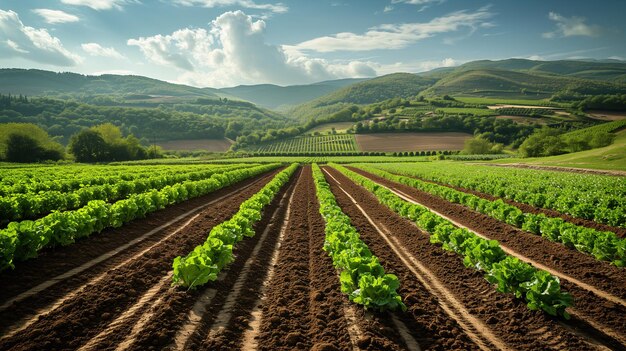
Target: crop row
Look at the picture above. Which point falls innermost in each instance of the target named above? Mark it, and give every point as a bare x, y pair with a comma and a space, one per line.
362, 276
22, 240
511, 275
312, 144
594, 197
204, 263
66, 179
29, 205
605, 246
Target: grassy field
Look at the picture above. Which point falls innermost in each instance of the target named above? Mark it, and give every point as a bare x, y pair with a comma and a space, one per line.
340, 127
612, 157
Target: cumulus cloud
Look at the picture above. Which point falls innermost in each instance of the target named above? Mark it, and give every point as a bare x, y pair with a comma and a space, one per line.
99, 4
55, 16
571, 26
248, 4
233, 51
18, 40
388, 8
95, 49
397, 36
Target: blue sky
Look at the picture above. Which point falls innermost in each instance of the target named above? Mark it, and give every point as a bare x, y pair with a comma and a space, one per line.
221, 43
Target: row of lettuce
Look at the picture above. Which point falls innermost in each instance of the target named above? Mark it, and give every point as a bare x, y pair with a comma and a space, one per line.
33, 180
207, 260
362, 277
593, 197
32, 205
510, 275
20, 241
602, 245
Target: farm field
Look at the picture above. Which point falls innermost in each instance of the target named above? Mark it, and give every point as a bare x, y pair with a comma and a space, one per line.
390, 142
310, 144
213, 145
394, 256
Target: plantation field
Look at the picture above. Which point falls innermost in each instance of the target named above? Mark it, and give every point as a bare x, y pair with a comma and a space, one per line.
607, 115
269, 254
390, 142
514, 102
310, 144
213, 145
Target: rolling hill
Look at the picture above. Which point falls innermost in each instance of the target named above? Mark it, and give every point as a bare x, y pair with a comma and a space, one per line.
517, 84
397, 85
608, 70
33, 82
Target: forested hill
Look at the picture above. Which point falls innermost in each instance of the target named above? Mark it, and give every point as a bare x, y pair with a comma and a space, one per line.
33, 82
203, 119
402, 85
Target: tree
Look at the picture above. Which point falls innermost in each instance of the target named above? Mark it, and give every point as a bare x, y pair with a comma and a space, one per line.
545, 142
479, 145
89, 146
23, 148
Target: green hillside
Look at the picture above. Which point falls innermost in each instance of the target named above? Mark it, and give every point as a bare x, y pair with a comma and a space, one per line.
610, 70
34, 82
516, 84
397, 85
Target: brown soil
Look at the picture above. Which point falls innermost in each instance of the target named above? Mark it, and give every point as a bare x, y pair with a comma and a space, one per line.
171, 315
390, 142
91, 311
301, 309
55, 261
621, 232
585, 268
507, 317
607, 115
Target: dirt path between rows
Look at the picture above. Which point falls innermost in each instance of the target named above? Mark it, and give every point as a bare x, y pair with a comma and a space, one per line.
600, 275
506, 317
91, 311
620, 232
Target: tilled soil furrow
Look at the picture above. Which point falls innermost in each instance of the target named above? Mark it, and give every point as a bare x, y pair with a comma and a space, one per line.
621, 232
228, 328
300, 307
506, 317
604, 309
87, 314
171, 317
61, 263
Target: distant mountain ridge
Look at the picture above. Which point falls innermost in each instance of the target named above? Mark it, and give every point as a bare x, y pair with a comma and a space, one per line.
278, 97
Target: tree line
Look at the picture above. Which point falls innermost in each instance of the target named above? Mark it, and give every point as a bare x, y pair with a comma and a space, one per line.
26, 143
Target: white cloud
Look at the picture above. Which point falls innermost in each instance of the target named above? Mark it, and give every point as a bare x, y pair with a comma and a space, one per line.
56, 16
95, 49
397, 36
248, 4
233, 51
415, 66
99, 4
571, 26
388, 8
18, 40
